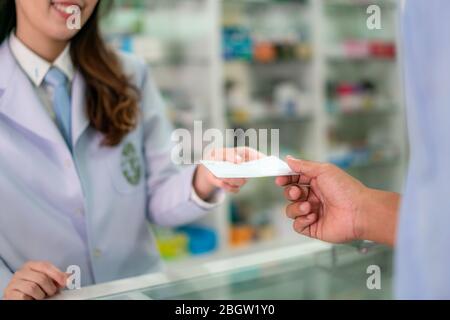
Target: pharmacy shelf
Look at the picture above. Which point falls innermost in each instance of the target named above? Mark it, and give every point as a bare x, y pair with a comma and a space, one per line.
352, 4
184, 44
299, 244
281, 120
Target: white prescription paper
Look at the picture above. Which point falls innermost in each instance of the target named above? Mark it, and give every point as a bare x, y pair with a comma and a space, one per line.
266, 167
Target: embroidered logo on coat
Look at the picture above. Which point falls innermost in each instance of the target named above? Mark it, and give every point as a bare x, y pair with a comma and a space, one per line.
130, 164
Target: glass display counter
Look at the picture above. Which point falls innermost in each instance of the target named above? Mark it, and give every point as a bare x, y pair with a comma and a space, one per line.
305, 271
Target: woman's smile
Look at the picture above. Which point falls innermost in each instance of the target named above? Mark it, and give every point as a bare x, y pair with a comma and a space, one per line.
64, 8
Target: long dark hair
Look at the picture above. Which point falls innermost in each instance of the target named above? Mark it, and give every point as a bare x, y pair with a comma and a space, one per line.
111, 99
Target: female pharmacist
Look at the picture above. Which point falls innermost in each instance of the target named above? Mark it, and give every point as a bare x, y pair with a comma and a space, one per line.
85, 155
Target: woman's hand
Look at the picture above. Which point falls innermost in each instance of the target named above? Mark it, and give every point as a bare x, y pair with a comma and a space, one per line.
337, 208
205, 183
35, 281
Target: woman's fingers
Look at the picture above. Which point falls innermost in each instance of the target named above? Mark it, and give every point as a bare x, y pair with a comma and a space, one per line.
34, 290
229, 155
230, 188
45, 282
17, 295
31, 289
230, 185
50, 270
222, 184
235, 182
236, 155
35, 280
249, 154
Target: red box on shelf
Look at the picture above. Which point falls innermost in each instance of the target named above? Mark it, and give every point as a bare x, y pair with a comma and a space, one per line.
381, 49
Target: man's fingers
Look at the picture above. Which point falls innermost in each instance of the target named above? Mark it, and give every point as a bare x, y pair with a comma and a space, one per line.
41, 279
292, 193
286, 180
283, 181
296, 193
301, 224
298, 209
50, 270
308, 168
303, 180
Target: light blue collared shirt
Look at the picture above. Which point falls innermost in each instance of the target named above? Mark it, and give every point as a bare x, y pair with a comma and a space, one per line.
423, 252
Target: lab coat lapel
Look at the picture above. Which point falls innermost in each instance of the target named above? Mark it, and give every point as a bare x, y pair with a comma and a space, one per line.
19, 101
80, 120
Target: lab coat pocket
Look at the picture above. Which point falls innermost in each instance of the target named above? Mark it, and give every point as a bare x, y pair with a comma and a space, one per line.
126, 168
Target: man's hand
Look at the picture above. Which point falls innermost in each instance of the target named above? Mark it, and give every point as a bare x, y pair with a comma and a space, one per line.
337, 208
205, 183
35, 281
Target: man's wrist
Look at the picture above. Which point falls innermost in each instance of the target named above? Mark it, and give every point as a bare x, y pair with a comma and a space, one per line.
379, 214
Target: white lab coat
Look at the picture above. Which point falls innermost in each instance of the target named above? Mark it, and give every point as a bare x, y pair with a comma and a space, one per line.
89, 209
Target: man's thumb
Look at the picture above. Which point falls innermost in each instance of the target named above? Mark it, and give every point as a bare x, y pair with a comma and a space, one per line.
310, 169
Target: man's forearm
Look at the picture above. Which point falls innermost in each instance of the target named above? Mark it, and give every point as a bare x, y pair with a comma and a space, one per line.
380, 214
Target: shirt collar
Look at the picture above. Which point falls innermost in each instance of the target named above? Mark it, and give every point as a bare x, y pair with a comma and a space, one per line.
34, 66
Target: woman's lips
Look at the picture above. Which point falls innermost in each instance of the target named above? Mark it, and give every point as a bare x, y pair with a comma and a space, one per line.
64, 9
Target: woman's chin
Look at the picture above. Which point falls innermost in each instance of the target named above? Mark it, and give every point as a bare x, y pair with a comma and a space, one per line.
62, 33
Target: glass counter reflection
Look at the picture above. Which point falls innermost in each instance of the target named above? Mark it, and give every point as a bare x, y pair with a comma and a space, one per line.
340, 272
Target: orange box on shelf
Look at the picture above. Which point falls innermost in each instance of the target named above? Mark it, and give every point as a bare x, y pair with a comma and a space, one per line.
241, 235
